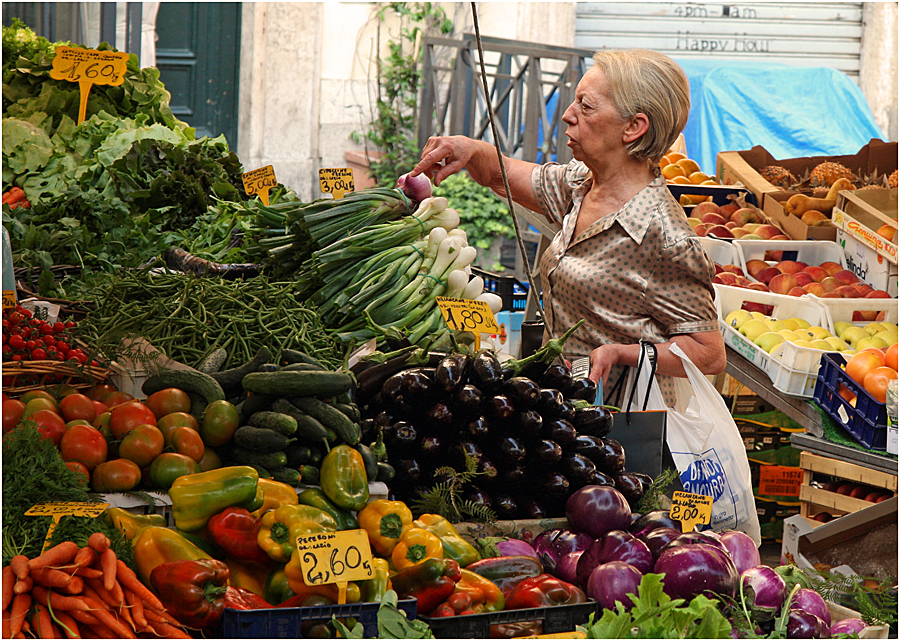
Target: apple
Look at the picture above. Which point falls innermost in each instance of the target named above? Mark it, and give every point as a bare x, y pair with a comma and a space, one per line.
830, 295
846, 488
754, 329
787, 267
830, 486
768, 341
734, 269
767, 232
712, 219
871, 341
852, 335
846, 291
725, 278
741, 281
731, 225
887, 336
822, 344
837, 344
706, 208
780, 237
751, 236
819, 332
830, 267
803, 279
878, 293
754, 265
701, 229
859, 491
816, 272
760, 287
767, 274
872, 497
727, 210
751, 227
840, 326
863, 289
719, 231
830, 283
846, 277
718, 268
738, 317
797, 291
740, 232
693, 222
823, 517
864, 317
874, 328
744, 216
782, 283
802, 265
815, 289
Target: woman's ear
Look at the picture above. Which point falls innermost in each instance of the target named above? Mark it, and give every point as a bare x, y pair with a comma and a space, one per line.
636, 128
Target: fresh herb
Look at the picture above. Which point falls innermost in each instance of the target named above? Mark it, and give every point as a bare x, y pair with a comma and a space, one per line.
443, 498
652, 499
874, 598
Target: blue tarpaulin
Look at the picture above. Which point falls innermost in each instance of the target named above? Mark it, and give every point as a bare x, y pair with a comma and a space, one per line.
792, 111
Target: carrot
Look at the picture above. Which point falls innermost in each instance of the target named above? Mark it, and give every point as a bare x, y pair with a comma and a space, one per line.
53, 578
9, 582
108, 565
6, 616
84, 617
68, 625
99, 542
125, 614
137, 609
58, 601
21, 603
169, 631
45, 627
130, 581
19, 565
86, 557
100, 631
88, 573
106, 618
94, 589
23, 586
60, 554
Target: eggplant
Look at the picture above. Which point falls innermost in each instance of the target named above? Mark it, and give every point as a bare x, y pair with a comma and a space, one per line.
645, 479
599, 478
451, 373
505, 505
384, 419
557, 377
513, 477
403, 436
486, 373
578, 467
367, 426
567, 410
630, 486
372, 379
477, 496
612, 460
500, 407
546, 452
468, 400
478, 428
550, 404
554, 484
581, 389
586, 445
415, 384
441, 414
489, 470
594, 421
531, 509
561, 431
653, 520
524, 392
409, 470
462, 450
529, 424
391, 387
431, 445
510, 449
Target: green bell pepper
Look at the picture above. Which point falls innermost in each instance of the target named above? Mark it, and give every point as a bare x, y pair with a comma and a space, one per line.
317, 498
343, 478
455, 547
197, 497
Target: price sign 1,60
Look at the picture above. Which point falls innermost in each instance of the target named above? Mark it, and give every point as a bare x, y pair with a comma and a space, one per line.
690, 509
89, 67
335, 557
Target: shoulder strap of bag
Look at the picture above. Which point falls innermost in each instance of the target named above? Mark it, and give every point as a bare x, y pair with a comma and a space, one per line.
648, 354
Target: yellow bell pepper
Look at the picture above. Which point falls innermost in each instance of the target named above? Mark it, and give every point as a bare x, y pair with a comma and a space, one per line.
281, 527
295, 575
414, 547
275, 494
455, 547
385, 522
154, 546
131, 524
248, 577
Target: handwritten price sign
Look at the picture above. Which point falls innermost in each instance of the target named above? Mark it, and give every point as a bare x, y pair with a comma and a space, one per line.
66, 508
335, 557
690, 509
463, 315
260, 181
89, 67
336, 181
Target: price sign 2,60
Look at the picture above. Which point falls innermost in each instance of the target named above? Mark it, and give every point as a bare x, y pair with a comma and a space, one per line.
335, 557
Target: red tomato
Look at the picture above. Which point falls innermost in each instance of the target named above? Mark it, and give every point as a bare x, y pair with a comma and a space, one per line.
13, 409
125, 417
210, 461
176, 419
101, 408
78, 421
85, 444
142, 444
100, 391
168, 400
117, 398
118, 475
50, 424
78, 466
38, 354
16, 342
37, 393
77, 406
187, 441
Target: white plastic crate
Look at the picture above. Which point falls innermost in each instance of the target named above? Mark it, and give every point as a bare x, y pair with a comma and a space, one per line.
793, 369
811, 252
841, 309
720, 251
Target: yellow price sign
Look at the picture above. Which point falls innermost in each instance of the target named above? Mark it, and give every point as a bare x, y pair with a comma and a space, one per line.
690, 509
89, 67
9, 298
462, 315
65, 508
337, 181
260, 181
335, 557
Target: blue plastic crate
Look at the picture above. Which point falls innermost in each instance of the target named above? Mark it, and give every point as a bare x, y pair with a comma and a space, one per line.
556, 619
513, 293
867, 422
284, 623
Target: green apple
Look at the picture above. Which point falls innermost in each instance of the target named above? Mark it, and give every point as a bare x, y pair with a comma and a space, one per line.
853, 335
738, 317
840, 326
789, 335
874, 328
753, 329
803, 344
775, 325
820, 343
887, 336
790, 323
758, 315
768, 341
819, 332
837, 344
871, 341
805, 334
802, 324
889, 326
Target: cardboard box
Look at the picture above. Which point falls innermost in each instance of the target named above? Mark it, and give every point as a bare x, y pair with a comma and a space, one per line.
862, 213
128, 374
870, 266
773, 207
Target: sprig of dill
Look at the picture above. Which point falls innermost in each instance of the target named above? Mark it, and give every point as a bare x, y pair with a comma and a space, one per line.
444, 497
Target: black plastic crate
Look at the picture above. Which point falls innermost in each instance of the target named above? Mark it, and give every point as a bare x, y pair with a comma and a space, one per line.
513, 293
556, 619
867, 422
284, 623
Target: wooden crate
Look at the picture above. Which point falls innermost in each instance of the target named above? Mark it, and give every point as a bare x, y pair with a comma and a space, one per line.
814, 500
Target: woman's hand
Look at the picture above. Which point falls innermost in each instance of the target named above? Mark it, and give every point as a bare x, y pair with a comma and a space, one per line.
602, 361
445, 156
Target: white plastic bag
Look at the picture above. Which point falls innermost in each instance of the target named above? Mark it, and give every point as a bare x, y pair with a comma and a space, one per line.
706, 446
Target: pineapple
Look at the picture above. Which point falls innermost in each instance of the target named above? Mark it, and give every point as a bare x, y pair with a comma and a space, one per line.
824, 174
892, 179
778, 176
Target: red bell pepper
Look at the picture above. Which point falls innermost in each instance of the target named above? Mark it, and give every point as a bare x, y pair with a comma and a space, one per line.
431, 582
241, 599
234, 530
543, 590
192, 591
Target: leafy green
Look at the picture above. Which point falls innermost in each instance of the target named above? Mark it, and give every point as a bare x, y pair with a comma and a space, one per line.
26, 148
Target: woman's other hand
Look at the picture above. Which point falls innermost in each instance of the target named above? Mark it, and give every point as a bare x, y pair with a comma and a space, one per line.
602, 361
446, 155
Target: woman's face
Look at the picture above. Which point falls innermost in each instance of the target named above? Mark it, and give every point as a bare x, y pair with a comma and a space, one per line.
595, 129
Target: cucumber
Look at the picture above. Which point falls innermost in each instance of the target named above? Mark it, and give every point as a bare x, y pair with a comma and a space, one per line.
368, 460
198, 406
286, 475
260, 439
301, 367
290, 356
309, 474
186, 380
297, 383
330, 417
348, 410
343, 398
315, 455
269, 461
298, 454
233, 377
255, 403
268, 367
263, 472
308, 429
277, 421
385, 473
213, 362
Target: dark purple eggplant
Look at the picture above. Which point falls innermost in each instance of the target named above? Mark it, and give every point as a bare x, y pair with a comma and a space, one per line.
415, 384
403, 436
567, 410
461, 450
546, 452
550, 404
599, 478
489, 470
630, 486
578, 467
384, 419
452, 372
531, 509
392, 387
556, 376
651, 521
371, 380
409, 470
486, 373
431, 445
477, 496
586, 445
658, 538
524, 392
554, 484
510, 449
645, 479
468, 400
478, 428
582, 389
612, 459
561, 431
594, 420
693, 538
367, 426
500, 407
505, 505
529, 424
441, 414
513, 477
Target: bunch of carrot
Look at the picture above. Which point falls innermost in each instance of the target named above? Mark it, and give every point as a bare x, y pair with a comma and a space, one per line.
71, 592
15, 197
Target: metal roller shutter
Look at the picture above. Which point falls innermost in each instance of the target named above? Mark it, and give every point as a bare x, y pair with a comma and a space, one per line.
795, 33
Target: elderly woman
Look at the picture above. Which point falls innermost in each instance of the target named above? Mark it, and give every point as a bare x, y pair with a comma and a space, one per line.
626, 259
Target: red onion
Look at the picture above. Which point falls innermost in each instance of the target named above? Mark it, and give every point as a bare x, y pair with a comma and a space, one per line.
416, 188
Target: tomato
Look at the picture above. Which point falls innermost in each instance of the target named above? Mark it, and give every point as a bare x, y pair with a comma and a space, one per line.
78, 421
176, 419
39, 403
16, 342
50, 424
77, 406
100, 408
187, 441
101, 391
127, 416
142, 444
85, 444
168, 400
13, 409
118, 475
101, 421
210, 460
62, 390
876, 382
37, 393
117, 398
38, 354
78, 466
220, 420
168, 466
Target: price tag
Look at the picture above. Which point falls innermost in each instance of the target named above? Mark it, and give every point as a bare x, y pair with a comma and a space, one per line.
336, 181
335, 557
89, 67
780, 480
690, 509
462, 315
260, 181
9, 298
66, 508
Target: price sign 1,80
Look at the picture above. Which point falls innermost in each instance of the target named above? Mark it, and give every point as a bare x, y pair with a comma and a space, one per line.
462, 315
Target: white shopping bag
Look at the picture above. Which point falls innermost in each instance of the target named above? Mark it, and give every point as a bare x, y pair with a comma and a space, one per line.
706, 446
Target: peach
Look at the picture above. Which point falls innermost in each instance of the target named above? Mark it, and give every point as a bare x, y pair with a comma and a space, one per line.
731, 225
706, 208
719, 231
728, 209
864, 316
830, 267
767, 274
797, 291
741, 281
787, 267
701, 229
744, 216
772, 254
830, 295
815, 289
767, 232
863, 288
830, 283
780, 237
734, 269
817, 273
803, 279
754, 266
756, 307
802, 265
760, 287
847, 291
712, 219
782, 283
725, 278
846, 277
878, 293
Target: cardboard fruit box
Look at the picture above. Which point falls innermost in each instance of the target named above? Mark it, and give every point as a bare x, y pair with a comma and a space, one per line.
863, 213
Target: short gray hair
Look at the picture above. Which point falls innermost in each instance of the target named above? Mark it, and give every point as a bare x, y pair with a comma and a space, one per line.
648, 82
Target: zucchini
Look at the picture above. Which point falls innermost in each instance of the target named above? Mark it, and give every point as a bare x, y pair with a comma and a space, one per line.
297, 383
290, 356
385, 473
343, 398
348, 410
368, 460
213, 362
286, 475
298, 454
277, 421
330, 417
309, 474
186, 380
269, 461
233, 377
301, 367
260, 439
255, 403
308, 428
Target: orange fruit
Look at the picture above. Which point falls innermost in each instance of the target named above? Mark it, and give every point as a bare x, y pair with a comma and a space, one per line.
890, 357
674, 156
670, 171
681, 180
689, 166
861, 364
876, 382
877, 352
664, 161
845, 393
